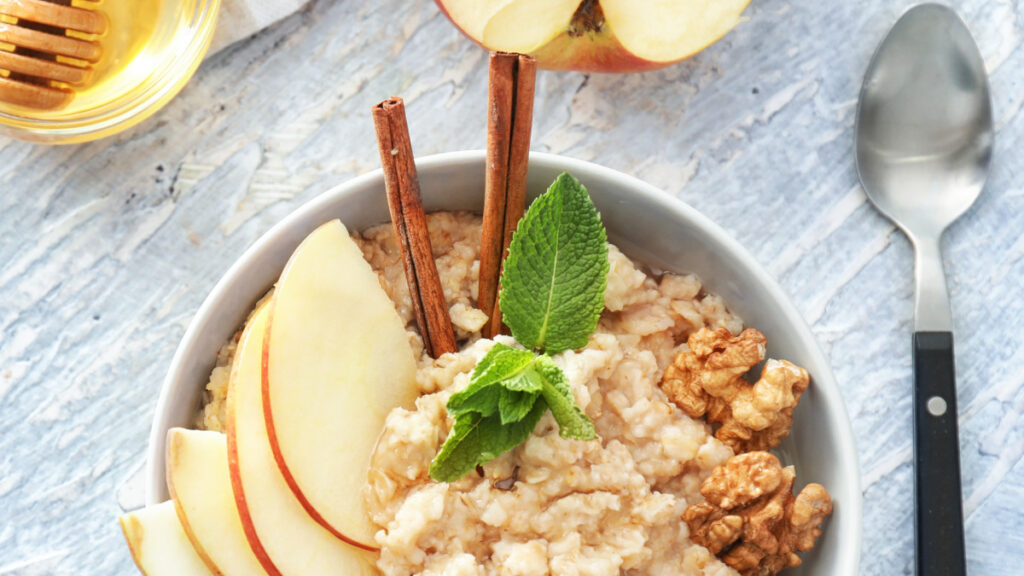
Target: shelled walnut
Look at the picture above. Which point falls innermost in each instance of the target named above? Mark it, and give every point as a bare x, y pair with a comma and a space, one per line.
750, 518
708, 381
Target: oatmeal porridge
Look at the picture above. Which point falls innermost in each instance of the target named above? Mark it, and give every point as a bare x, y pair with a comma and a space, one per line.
551, 505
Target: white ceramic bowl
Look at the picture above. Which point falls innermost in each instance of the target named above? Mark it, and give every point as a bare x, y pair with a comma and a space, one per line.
646, 224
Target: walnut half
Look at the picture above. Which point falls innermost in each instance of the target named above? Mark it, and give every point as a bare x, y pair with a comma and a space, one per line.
750, 518
707, 381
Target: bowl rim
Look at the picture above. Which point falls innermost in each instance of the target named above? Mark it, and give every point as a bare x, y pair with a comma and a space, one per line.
848, 555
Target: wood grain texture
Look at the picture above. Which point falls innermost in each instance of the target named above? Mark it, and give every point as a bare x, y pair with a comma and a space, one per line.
108, 248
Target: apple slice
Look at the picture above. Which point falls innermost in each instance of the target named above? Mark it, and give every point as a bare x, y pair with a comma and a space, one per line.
597, 35
670, 31
200, 485
336, 361
488, 21
158, 542
285, 539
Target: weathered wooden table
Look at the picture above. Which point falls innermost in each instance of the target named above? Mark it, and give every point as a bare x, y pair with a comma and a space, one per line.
108, 248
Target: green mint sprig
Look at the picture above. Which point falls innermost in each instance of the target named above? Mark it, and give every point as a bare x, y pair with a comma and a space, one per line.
552, 296
553, 282
507, 394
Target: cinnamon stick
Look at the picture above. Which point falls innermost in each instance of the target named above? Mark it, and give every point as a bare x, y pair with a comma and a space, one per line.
509, 120
410, 222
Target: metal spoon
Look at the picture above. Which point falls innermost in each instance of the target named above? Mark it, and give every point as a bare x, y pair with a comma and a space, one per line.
924, 141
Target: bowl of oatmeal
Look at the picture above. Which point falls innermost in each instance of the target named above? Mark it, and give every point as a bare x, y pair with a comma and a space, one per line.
552, 506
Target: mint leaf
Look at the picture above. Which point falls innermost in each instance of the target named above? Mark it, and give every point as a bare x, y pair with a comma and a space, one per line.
555, 274
475, 440
496, 418
500, 363
526, 381
552, 296
572, 422
513, 406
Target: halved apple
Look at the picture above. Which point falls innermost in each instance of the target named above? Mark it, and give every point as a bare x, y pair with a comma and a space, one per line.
158, 542
596, 35
285, 539
336, 361
200, 486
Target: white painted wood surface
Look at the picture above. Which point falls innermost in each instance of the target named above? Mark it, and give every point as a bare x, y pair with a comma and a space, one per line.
107, 249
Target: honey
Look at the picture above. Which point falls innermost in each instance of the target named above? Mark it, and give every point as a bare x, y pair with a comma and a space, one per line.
146, 52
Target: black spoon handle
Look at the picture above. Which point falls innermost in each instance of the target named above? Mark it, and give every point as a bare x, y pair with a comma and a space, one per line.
939, 520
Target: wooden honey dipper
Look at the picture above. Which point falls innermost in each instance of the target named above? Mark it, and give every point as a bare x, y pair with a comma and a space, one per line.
50, 55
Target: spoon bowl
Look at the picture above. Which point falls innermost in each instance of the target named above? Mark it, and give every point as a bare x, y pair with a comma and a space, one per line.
923, 156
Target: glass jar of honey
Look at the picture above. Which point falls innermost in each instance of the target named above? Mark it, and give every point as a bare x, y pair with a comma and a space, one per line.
77, 70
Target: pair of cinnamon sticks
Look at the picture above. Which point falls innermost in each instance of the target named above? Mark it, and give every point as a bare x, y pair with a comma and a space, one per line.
510, 117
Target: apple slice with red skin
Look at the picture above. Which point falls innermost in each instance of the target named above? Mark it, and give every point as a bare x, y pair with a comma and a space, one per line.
200, 486
336, 361
596, 35
158, 542
284, 538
